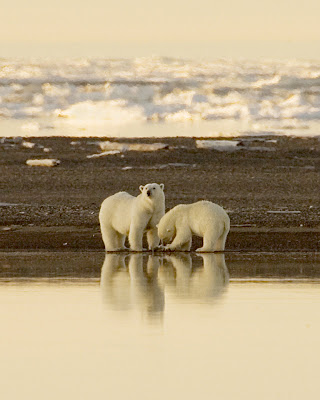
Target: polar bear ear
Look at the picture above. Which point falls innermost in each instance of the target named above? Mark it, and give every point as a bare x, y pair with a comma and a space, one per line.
162, 186
141, 188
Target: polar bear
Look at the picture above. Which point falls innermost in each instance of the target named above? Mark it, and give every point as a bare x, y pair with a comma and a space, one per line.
123, 215
203, 218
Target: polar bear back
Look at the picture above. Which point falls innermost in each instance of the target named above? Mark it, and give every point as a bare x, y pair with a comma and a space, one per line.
204, 215
199, 217
116, 212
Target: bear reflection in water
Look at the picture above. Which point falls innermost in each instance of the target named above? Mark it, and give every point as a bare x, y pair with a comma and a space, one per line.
132, 280
138, 281
194, 280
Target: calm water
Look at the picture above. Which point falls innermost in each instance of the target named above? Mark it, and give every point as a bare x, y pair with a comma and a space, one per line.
78, 326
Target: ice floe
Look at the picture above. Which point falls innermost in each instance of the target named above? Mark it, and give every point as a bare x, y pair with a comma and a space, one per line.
220, 145
27, 145
121, 147
46, 162
104, 153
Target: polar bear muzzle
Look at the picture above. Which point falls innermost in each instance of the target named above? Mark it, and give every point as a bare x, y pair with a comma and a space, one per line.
151, 189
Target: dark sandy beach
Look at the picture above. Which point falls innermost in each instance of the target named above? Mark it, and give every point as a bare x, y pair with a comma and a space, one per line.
269, 186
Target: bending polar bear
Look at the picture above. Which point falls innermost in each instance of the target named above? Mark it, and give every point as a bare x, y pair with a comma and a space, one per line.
204, 219
123, 215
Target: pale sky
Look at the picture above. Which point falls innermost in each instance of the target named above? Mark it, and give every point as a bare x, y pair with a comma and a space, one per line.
189, 27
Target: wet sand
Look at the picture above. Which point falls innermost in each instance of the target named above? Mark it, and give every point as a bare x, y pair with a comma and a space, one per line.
269, 186
79, 264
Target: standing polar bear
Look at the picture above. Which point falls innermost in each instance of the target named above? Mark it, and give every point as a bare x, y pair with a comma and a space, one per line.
204, 219
123, 215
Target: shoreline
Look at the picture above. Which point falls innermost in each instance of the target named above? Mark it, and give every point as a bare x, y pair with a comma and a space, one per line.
76, 266
70, 238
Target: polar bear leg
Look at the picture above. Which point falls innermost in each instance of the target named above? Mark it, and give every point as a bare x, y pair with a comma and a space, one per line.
187, 246
220, 243
135, 238
209, 240
110, 238
120, 239
153, 238
183, 237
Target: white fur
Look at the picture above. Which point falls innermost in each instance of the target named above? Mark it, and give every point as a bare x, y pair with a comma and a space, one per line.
204, 219
123, 215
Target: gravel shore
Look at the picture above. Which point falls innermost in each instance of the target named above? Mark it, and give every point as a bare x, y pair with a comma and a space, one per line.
268, 185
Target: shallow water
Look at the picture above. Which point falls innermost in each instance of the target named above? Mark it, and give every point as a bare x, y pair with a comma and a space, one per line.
78, 325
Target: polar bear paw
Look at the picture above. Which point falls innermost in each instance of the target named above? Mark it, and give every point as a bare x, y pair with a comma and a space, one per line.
204, 250
137, 250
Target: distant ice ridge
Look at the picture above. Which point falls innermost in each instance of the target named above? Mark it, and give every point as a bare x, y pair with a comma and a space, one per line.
100, 91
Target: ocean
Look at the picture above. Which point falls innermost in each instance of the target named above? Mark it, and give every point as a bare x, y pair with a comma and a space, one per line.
181, 327
158, 97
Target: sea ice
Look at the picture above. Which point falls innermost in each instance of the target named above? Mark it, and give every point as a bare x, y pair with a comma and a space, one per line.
46, 162
220, 145
121, 147
27, 145
105, 153
98, 92
31, 126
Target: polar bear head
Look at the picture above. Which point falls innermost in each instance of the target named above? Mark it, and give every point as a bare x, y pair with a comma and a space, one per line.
167, 227
153, 191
